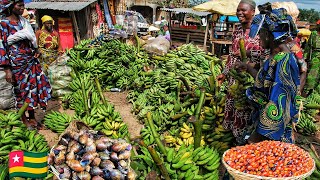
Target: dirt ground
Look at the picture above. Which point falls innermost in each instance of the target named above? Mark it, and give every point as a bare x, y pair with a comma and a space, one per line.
115, 98
118, 99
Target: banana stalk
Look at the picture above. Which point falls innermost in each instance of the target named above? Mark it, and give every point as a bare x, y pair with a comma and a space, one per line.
316, 160
138, 43
197, 123
96, 80
184, 82
155, 134
85, 99
312, 106
23, 109
159, 163
178, 116
243, 51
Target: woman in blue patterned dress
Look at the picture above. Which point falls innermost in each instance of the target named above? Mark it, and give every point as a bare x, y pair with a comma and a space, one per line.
277, 83
18, 57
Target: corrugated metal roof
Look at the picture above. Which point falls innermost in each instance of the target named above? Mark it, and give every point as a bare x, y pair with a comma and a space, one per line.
186, 10
59, 5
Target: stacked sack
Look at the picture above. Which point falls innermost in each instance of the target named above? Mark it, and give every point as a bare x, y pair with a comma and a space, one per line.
59, 75
7, 100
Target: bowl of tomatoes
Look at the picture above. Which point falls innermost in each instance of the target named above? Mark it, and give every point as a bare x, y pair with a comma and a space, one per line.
268, 160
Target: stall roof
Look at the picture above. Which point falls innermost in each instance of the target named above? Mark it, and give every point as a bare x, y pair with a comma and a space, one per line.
186, 10
62, 5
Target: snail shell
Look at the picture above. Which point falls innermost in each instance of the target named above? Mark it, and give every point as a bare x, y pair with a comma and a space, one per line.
97, 178
60, 159
84, 175
103, 156
107, 164
75, 165
114, 156
96, 161
124, 155
116, 175
83, 139
96, 171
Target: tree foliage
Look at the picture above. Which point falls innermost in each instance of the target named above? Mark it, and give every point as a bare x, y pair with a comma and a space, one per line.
310, 15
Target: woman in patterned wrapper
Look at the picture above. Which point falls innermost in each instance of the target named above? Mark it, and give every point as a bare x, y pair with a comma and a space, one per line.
49, 42
18, 57
277, 87
237, 120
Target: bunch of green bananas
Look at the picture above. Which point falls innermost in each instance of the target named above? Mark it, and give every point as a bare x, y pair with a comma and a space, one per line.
10, 120
316, 173
312, 102
21, 139
186, 162
4, 171
99, 114
143, 163
243, 81
147, 136
115, 129
306, 124
57, 121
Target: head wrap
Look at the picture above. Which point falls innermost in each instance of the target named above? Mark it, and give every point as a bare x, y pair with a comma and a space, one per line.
46, 18
250, 2
276, 21
5, 4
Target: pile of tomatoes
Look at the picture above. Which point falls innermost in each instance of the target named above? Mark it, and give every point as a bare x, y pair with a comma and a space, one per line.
270, 159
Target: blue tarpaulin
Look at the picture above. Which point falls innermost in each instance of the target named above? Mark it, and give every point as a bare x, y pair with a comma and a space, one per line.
230, 19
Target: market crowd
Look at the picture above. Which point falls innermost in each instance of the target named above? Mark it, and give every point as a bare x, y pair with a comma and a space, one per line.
275, 60
25, 56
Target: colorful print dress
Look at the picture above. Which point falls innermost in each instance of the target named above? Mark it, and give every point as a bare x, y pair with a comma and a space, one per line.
48, 46
276, 90
237, 120
31, 85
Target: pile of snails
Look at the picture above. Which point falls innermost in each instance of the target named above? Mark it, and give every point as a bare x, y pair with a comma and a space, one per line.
88, 155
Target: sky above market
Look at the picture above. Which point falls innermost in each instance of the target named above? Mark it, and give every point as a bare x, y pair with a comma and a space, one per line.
302, 4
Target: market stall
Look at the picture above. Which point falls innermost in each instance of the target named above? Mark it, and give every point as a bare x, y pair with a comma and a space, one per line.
180, 30
75, 19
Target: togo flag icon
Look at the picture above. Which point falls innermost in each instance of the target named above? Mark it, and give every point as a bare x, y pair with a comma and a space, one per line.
28, 164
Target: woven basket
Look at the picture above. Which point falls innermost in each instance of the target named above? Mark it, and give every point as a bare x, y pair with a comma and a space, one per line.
237, 175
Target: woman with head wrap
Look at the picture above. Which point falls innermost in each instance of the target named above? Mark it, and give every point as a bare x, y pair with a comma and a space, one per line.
237, 120
276, 88
19, 56
48, 41
312, 54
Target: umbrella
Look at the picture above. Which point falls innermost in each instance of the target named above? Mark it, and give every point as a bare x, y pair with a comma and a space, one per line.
225, 7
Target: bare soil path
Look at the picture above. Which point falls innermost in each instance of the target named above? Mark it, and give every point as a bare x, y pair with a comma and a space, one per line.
118, 99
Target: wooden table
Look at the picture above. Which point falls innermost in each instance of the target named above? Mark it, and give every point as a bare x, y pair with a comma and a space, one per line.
220, 42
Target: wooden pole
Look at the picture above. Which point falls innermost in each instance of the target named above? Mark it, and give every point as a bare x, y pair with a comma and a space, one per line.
75, 24
188, 38
206, 34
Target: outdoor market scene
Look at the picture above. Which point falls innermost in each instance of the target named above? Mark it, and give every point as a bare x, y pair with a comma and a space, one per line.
159, 89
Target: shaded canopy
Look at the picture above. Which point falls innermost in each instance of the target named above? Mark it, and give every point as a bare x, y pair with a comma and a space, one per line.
224, 7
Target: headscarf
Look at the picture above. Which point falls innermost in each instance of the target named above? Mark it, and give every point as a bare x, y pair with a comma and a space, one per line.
5, 4
46, 18
250, 2
276, 21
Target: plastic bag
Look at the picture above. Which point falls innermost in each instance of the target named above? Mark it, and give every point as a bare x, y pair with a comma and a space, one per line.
59, 76
7, 100
7, 103
159, 46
